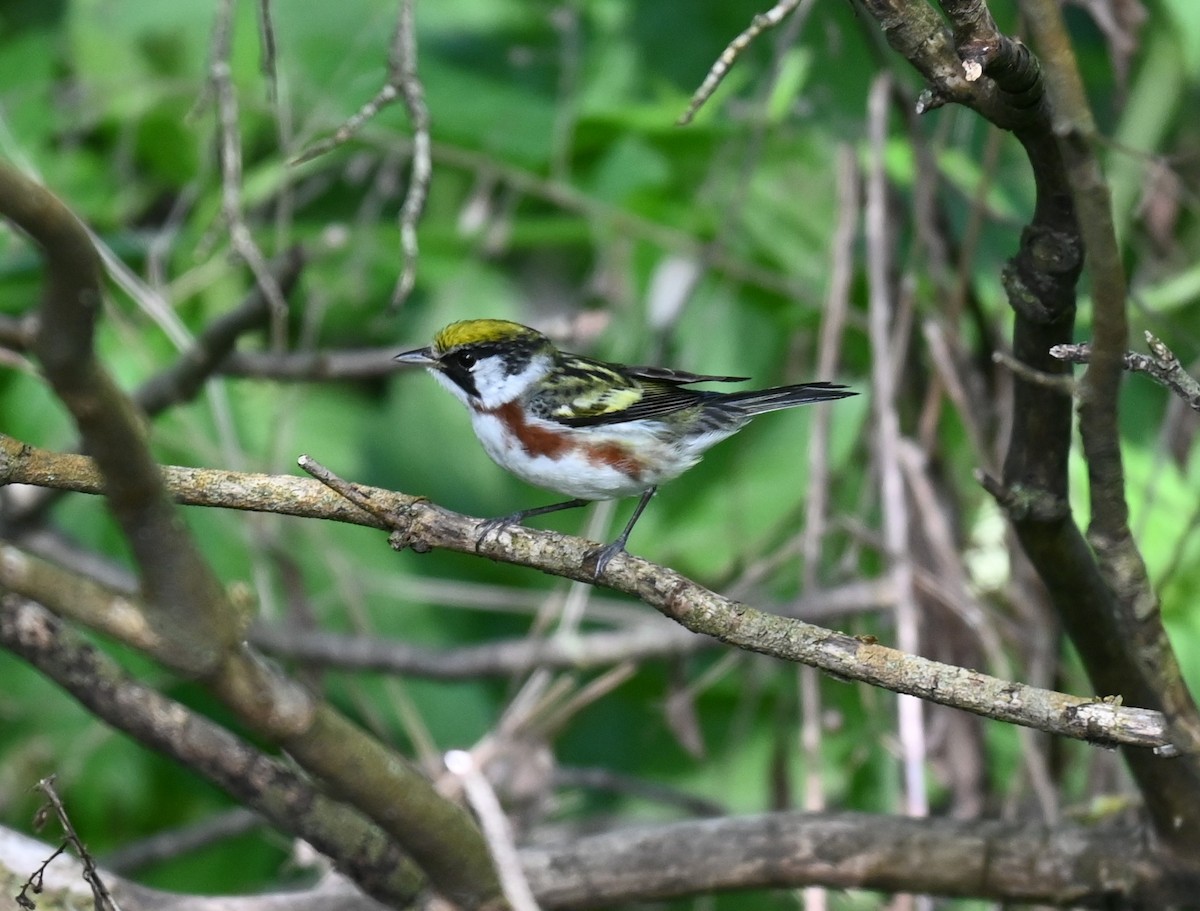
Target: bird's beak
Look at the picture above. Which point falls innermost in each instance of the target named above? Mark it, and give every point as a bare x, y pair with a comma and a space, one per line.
418, 357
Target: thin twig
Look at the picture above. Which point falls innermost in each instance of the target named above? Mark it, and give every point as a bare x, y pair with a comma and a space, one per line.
100, 895
402, 83
403, 64
266, 35
887, 358
221, 77
344, 488
511, 657
1161, 365
176, 842
724, 63
496, 829
833, 326
1064, 384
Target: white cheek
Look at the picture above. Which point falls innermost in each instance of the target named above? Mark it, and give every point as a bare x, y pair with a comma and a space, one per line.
497, 387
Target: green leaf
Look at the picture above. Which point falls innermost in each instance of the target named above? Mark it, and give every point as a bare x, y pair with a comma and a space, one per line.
1185, 14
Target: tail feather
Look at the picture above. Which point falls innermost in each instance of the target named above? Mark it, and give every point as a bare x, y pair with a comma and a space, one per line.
764, 400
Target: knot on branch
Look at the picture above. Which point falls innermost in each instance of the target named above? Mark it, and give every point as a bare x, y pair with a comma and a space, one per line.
1040, 279
1011, 65
1023, 504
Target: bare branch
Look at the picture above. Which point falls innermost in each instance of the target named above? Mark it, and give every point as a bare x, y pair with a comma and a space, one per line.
311, 366
1001, 860
191, 626
496, 827
274, 789
1148, 665
101, 898
169, 844
62, 887
174, 575
183, 380
402, 83
266, 35
1097, 598
724, 63
886, 359
214, 344
1057, 381
505, 658
244, 244
1161, 365
511, 657
403, 64
1092, 866
414, 520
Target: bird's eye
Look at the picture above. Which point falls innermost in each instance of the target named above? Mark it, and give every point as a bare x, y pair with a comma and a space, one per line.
466, 360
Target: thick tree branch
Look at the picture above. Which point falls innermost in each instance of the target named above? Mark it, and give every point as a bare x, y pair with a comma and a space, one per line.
269, 786
1150, 672
1003, 861
422, 525
174, 576
997, 77
191, 626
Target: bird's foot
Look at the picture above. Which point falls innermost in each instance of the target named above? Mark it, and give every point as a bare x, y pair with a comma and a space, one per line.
491, 526
604, 555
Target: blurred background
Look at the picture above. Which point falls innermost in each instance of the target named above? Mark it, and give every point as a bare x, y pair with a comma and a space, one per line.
564, 195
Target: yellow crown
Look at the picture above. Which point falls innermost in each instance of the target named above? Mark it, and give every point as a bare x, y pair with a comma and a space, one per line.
480, 331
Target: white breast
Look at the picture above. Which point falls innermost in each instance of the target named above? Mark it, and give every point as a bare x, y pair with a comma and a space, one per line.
569, 471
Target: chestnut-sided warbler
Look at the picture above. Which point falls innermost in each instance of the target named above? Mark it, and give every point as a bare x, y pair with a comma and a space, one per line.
585, 428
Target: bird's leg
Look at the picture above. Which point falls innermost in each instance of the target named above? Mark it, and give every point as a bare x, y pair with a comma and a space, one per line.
516, 518
605, 554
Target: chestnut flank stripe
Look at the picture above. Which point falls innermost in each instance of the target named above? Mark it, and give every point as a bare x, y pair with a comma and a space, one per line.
541, 441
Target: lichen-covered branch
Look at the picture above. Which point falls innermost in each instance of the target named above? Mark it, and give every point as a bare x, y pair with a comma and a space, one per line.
416, 523
1161, 365
191, 626
267, 785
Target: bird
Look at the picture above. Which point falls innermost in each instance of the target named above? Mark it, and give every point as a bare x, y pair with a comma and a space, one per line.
585, 428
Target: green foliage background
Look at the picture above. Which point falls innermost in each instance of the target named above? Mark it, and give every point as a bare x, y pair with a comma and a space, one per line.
561, 187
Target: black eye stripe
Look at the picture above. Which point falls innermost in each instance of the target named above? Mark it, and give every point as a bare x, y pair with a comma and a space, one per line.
453, 367
515, 357
459, 364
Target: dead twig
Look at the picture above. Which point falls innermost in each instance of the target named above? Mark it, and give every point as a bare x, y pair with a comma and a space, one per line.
724, 63
403, 83
244, 244
100, 895
1061, 382
1161, 365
